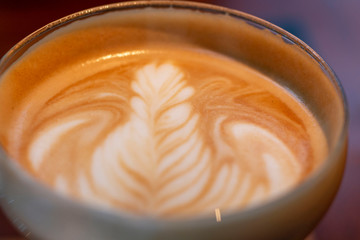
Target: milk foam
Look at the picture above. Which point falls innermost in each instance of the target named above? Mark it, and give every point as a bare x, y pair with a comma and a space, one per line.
152, 120
159, 161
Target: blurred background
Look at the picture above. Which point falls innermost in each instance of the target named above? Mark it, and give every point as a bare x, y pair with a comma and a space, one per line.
330, 27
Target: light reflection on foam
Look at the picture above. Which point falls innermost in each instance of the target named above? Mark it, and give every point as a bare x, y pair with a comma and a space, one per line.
218, 214
114, 56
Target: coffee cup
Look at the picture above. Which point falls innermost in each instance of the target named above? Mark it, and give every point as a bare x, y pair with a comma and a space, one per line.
168, 120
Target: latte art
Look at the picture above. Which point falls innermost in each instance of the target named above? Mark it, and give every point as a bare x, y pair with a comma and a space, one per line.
157, 160
160, 138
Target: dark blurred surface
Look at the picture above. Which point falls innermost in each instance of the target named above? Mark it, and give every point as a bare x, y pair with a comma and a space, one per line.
330, 27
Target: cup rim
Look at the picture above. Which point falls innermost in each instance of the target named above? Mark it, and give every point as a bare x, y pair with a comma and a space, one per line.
187, 221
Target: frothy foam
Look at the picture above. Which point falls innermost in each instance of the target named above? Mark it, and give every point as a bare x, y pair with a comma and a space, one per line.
157, 162
160, 139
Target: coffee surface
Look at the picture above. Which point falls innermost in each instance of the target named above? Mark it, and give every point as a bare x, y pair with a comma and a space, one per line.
163, 130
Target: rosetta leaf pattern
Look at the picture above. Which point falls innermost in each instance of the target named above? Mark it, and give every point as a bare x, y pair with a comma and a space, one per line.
159, 145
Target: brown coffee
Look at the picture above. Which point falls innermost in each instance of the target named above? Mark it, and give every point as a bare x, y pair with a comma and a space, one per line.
122, 117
